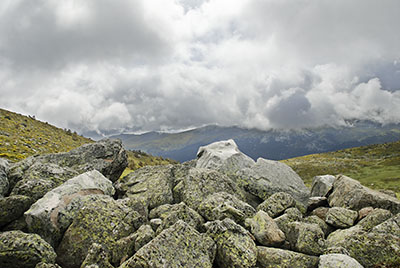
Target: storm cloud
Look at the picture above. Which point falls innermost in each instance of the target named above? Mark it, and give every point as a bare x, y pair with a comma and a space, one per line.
141, 65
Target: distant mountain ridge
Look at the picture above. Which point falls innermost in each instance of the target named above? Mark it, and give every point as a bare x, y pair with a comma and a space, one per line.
272, 144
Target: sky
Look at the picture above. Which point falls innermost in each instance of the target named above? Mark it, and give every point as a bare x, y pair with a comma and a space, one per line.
101, 66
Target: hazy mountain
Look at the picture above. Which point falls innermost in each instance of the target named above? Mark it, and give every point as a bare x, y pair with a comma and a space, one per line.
271, 144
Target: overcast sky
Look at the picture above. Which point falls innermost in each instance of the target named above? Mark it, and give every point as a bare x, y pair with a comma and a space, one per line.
141, 65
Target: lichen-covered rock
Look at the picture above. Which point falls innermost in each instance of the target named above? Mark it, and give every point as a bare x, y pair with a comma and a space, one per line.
200, 183
390, 226
290, 215
322, 185
219, 206
97, 257
375, 217
47, 265
322, 224
223, 156
15, 225
235, 247
151, 184
267, 177
4, 185
124, 249
143, 236
265, 230
13, 207
170, 214
338, 261
316, 202
341, 217
104, 222
51, 215
280, 258
18, 249
369, 249
306, 238
351, 194
106, 156
277, 203
178, 246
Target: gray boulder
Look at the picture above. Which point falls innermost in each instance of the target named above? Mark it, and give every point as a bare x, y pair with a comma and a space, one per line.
374, 218
322, 185
151, 185
265, 229
13, 207
390, 226
200, 183
267, 177
223, 156
338, 261
18, 249
280, 258
306, 238
277, 203
351, 194
341, 217
219, 206
104, 221
235, 247
178, 246
4, 185
51, 215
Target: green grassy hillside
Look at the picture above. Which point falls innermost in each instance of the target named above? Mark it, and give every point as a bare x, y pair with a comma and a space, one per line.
375, 166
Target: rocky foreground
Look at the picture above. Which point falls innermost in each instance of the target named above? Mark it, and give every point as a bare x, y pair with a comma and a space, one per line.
221, 210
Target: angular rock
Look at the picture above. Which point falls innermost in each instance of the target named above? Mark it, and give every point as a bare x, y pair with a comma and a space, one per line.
223, 156
124, 249
219, 206
18, 249
265, 230
178, 246
290, 215
375, 217
390, 226
320, 212
155, 223
4, 185
316, 202
351, 194
235, 247
143, 236
200, 183
338, 261
341, 217
152, 185
267, 177
277, 203
280, 258
322, 185
316, 220
170, 214
51, 215
306, 238
13, 207
97, 257
104, 222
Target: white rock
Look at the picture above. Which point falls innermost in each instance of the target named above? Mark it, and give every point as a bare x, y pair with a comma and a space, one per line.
338, 261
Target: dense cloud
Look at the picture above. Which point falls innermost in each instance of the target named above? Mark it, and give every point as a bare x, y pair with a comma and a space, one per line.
140, 65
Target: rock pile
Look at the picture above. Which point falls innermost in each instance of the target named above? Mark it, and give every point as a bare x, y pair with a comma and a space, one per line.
222, 210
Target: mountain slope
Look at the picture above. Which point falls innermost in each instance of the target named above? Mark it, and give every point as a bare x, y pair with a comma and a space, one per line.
271, 144
376, 166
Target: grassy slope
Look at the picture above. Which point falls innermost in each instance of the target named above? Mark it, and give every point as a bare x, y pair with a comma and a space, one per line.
375, 166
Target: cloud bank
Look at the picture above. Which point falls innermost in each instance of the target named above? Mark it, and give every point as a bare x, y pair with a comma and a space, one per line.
141, 65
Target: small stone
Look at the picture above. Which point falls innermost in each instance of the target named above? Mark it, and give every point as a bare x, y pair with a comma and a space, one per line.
277, 203
316, 201
362, 213
341, 217
265, 230
320, 212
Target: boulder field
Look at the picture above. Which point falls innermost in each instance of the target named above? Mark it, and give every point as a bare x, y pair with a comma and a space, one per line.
221, 210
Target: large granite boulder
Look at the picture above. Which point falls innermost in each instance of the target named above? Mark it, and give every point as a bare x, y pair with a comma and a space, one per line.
306, 238
13, 207
351, 194
265, 229
178, 246
267, 177
51, 215
341, 217
235, 247
277, 203
338, 261
106, 156
322, 185
200, 183
104, 221
219, 206
280, 258
4, 185
223, 156
18, 249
